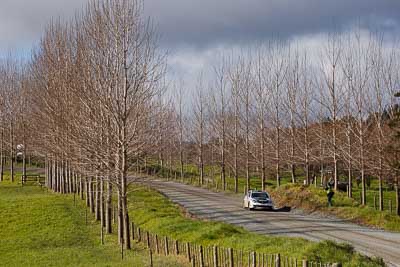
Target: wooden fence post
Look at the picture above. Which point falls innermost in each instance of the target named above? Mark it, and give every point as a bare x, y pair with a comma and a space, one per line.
133, 231
166, 246
230, 251
194, 262
148, 239
278, 260
254, 259
305, 263
176, 247
215, 250
188, 256
157, 248
201, 257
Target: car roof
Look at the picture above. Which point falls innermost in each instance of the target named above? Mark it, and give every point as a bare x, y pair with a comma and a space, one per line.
257, 191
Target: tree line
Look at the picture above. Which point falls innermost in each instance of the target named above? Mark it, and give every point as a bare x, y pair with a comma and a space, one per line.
277, 110
86, 103
93, 103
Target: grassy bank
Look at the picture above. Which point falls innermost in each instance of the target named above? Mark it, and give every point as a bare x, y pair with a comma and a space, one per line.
157, 214
45, 229
313, 199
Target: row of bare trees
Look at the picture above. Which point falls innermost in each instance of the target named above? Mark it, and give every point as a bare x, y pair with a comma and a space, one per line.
14, 112
277, 110
87, 103
91, 103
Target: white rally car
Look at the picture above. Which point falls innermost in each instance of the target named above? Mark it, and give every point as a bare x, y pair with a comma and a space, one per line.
257, 199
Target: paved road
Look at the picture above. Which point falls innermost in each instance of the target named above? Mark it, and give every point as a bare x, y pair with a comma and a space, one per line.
219, 207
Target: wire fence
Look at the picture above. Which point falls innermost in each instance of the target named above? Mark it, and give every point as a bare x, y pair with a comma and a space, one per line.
214, 256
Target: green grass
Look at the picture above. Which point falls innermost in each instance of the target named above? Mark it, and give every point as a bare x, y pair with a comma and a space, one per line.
155, 213
38, 228
314, 199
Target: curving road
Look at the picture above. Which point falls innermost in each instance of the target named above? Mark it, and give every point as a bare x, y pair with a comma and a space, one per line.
227, 208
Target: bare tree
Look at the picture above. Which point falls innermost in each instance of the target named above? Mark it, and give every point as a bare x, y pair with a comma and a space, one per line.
199, 126
218, 113
331, 81
357, 71
279, 69
261, 76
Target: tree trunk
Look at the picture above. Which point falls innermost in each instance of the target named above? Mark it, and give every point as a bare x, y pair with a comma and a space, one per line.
397, 189
223, 175
62, 177
201, 166
363, 186
120, 224
81, 186
24, 160
97, 199
86, 182
292, 150
102, 215
11, 152
91, 197
277, 154
349, 163
124, 189
181, 163
46, 172
307, 155
70, 179
262, 147
350, 181
54, 175
109, 207
380, 181
57, 176
2, 156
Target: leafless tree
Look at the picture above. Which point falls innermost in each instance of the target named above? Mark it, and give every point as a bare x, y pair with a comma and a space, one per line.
330, 96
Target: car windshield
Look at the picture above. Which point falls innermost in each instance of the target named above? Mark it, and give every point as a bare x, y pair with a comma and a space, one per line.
259, 195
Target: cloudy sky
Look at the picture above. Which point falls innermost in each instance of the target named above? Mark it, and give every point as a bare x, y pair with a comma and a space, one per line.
195, 31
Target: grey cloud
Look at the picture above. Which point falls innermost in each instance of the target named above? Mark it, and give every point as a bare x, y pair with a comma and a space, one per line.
22, 21
209, 23
206, 22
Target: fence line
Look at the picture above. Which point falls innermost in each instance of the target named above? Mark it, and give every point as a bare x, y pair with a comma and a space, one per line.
214, 256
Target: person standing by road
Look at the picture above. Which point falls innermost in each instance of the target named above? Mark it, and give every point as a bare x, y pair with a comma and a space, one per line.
329, 194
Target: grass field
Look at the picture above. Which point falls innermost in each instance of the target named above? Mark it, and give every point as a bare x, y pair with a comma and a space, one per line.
157, 214
38, 228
